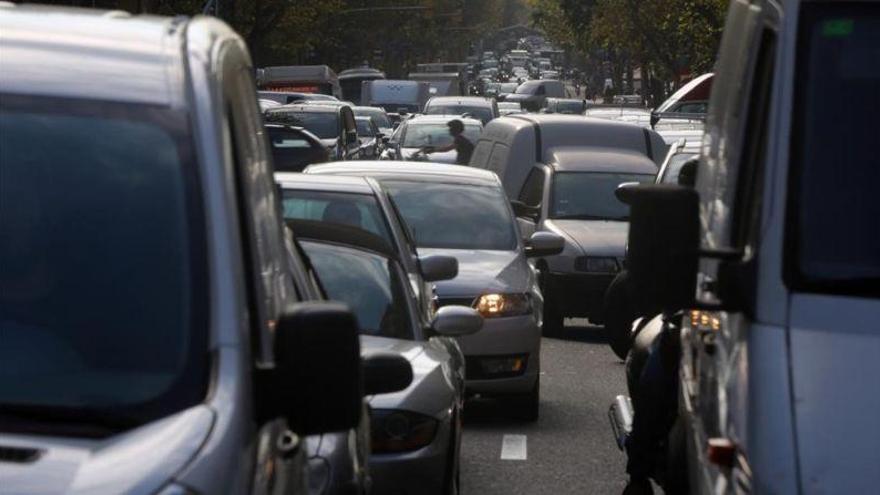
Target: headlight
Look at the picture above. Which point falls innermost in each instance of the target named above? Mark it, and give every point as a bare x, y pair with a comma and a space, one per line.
394, 430
596, 264
498, 305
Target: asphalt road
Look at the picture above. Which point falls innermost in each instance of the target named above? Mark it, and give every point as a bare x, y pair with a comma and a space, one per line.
570, 449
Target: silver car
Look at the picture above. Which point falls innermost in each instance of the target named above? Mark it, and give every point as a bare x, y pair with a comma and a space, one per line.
463, 212
151, 344
415, 433
425, 131
573, 196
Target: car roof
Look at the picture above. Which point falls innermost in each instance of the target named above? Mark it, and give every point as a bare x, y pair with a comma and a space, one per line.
458, 174
329, 183
442, 119
596, 159
479, 100
345, 235
74, 48
306, 108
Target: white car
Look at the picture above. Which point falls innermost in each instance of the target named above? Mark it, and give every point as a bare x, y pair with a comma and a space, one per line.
422, 131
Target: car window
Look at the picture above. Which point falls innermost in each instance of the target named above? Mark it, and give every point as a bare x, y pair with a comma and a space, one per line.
835, 239
379, 117
528, 88
364, 129
368, 284
590, 195
532, 192
284, 139
355, 210
102, 260
484, 114
325, 125
454, 216
418, 135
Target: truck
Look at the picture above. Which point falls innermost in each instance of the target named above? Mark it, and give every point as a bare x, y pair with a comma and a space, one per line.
395, 96
299, 79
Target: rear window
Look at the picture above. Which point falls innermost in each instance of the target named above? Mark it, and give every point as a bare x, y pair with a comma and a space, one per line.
354, 210
834, 205
325, 125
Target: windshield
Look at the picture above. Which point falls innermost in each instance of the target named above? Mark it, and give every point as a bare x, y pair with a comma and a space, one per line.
590, 195
484, 114
454, 216
528, 87
354, 210
368, 284
418, 135
835, 205
364, 129
325, 125
102, 286
380, 118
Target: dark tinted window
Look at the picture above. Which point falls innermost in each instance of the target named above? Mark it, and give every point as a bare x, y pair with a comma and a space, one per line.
533, 189
325, 125
355, 210
368, 284
101, 260
835, 205
454, 216
364, 128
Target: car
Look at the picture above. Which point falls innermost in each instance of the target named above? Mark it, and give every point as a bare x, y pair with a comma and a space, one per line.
153, 342
483, 109
370, 138
360, 202
509, 108
569, 106
573, 195
621, 113
512, 146
505, 89
692, 98
334, 125
532, 95
416, 133
379, 116
287, 97
767, 270
265, 103
293, 148
461, 211
415, 433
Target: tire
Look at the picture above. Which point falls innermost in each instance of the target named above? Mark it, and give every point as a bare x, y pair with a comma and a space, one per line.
618, 316
554, 320
527, 406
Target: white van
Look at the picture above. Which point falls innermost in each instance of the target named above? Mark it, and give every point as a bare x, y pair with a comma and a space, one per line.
511, 146
396, 95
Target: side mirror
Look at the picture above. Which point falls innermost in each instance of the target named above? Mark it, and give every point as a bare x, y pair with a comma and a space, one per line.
438, 267
453, 321
663, 245
351, 137
620, 193
386, 373
521, 209
317, 382
544, 244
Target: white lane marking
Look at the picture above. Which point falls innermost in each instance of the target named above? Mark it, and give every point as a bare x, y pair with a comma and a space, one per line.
513, 448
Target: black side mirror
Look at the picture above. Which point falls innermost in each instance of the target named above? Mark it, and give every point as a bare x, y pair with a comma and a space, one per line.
317, 381
438, 267
386, 373
523, 210
663, 245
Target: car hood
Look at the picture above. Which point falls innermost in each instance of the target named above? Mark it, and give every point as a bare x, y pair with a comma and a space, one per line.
445, 157
593, 237
137, 461
483, 271
430, 392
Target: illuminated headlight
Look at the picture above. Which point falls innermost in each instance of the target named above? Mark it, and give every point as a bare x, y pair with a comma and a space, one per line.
498, 305
400, 431
596, 264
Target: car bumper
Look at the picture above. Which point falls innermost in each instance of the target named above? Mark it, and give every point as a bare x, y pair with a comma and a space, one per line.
502, 338
578, 294
413, 473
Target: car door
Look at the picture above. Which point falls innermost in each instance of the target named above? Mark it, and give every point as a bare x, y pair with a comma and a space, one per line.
279, 454
716, 342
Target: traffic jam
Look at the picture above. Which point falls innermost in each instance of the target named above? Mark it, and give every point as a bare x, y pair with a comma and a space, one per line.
520, 260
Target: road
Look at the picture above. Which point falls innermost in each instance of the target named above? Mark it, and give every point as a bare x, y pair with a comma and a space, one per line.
570, 449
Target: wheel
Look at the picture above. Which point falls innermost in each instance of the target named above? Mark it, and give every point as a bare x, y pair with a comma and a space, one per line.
527, 406
554, 320
618, 316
